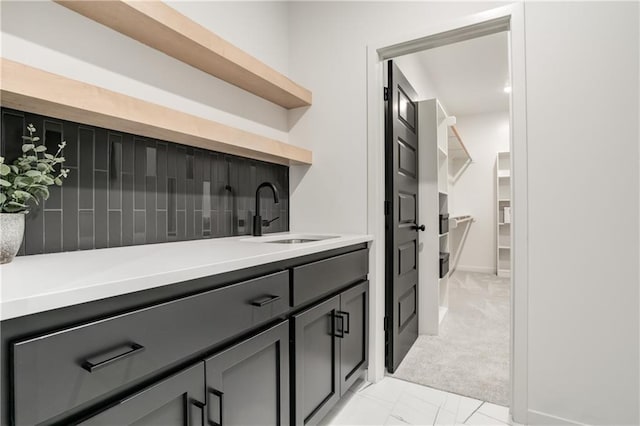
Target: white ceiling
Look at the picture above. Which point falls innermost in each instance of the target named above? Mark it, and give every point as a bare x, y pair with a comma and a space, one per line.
468, 77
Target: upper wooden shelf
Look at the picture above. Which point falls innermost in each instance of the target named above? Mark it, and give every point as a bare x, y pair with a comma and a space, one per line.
159, 26
30, 89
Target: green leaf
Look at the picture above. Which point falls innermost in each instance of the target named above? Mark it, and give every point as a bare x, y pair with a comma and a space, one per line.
48, 156
58, 181
3, 198
33, 173
35, 139
5, 183
27, 147
4, 170
47, 180
14, 169
24, 195
41, 148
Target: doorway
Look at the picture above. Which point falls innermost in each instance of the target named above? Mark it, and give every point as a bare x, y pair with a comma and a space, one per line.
505, 19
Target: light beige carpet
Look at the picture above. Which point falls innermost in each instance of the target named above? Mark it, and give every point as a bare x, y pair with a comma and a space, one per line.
471, 355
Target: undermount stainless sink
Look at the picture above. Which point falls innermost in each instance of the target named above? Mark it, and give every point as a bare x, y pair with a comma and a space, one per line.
290, 239
295, 240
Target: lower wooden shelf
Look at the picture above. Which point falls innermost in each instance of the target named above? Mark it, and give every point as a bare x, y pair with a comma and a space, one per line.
41, 92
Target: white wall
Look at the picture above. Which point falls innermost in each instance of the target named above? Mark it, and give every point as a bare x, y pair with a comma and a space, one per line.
474, 192
582, 111
48, 36
328, 48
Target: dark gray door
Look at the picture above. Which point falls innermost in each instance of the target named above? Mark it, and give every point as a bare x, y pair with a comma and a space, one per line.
401, 246
354, 310
175, 401
317, 362
248, 384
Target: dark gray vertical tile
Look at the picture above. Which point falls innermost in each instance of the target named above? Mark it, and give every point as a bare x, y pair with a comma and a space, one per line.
198, 167
101, 149
151, 209
85, 230
206, 208
52, 231
161, 232
151, 159
52, 138
161, 170
34, 230
70, 209
128, 156
189, 164
198, 223
244, 177
127, 209
172, 157
70, 136
227, 224
85, 167
171, 209
139, 228
101, 193
13, 125
115, 171
190, 210
182, 178
140, 173
182, 225
215, 185
115, 228
215, 219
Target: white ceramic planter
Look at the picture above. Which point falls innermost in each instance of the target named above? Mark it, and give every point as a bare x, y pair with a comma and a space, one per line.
11, 234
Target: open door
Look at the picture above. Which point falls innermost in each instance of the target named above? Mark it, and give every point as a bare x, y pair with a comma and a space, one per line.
401, 209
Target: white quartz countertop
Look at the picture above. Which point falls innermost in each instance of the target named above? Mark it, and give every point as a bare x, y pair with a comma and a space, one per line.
38, 283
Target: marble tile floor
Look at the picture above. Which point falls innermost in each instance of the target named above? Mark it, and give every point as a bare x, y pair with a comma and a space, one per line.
397, 402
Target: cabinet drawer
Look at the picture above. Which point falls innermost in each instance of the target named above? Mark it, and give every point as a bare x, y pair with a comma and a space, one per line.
320, 278
63, 370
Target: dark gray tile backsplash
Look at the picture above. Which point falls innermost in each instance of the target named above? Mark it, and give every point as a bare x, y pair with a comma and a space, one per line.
124, 189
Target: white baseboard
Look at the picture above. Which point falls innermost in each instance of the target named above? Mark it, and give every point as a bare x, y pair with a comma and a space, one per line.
538, 418
481, 269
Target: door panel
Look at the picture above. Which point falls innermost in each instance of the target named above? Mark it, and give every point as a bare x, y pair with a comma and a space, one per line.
175, 401
248, 384
354, 306
401, 245
317, 362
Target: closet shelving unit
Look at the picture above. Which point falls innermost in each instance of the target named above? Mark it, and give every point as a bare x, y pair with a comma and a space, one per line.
459, 157
503, 216
434, 200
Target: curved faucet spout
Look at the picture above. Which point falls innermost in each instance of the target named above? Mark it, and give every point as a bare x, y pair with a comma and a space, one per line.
257, 219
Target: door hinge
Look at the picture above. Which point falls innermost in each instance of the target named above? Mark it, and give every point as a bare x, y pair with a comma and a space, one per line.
387, 208
386, 93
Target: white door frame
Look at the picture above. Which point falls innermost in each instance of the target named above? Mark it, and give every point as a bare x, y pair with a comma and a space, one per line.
445, 33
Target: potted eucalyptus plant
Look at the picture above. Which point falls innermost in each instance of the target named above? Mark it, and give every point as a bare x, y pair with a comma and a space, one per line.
22, 183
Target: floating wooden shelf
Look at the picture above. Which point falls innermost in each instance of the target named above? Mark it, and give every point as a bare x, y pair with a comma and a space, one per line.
159, 26
41, 92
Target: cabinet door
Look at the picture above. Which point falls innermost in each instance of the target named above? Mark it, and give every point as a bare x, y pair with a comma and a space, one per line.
317, 363
175, 401
354, 308
248, 384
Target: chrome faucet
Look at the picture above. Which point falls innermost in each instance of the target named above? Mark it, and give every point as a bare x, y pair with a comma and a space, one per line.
257, 219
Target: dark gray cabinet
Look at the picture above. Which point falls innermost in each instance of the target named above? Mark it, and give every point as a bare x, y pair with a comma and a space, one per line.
330, 345
276, 344
354, 308
317, 366
176, 401
248, 384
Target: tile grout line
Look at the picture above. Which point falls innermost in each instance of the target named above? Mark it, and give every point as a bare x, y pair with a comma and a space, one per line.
474, 411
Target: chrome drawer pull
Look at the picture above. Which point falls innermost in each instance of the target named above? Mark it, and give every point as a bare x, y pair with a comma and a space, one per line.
265, 301
91, 367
